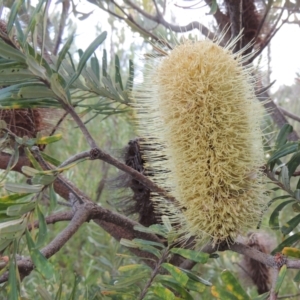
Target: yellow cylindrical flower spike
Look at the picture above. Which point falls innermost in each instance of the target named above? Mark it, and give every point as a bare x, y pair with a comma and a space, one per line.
200, 121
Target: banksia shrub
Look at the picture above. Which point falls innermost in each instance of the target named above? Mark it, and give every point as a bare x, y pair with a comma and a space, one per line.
197, 109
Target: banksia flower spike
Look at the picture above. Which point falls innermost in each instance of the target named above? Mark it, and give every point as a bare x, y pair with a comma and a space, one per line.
197, 109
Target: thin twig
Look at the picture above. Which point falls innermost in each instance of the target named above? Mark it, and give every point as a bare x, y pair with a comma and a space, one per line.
289, 114
62, 23
26, 265
45, 166
288, 296
273, 293
74, 158
97, 153
56, 217
153, 274
271, 176
79, 123
276, 113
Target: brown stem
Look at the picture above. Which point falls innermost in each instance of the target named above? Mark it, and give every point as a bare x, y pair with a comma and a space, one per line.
276, 114
273, 294
289, 114
80, 124
235, 10
62, 23
56, 217
26, 265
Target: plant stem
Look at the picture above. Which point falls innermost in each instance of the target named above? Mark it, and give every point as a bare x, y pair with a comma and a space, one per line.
154, 273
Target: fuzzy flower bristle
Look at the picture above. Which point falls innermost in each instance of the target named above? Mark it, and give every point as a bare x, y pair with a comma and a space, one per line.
198, 109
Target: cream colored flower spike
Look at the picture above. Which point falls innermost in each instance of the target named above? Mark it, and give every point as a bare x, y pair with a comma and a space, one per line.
201, 122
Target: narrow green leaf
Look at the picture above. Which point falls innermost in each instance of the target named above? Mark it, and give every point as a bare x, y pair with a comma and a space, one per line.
42, 228
213, 7
52, 195
222, 294
95, 66
10, 53
264, 296
135, 244
11, 163
297, 194
167, 223
195, 256
280, 278
283, 151
293, 163
80, 53
20, 33
126, 281
13, 14
64, 51
32, 160
59, 292
20, 209
156, 229
177, 274
45, 26
71, 61
104, 63
285, 178
34, 18
290, 225
15, 75
195, 286
10, 198
133, 267
296, 207
22, 188
57, 88
35, 68
293, 252
150, 243
298, 184
45, 140
37, 91
3, 245
118, 78
162, 292
87, 54
195, 277
43, 266
39, 58
75, 285
129, 83
285, 130
297, 277
43, 179
128, 243
177, 288
12, 288
43, 293
279, 198
28, 171
50, 159
12, 227
274, 218
233, 286
287, 242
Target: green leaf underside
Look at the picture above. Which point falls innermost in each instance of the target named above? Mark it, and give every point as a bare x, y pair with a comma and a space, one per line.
274, 218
